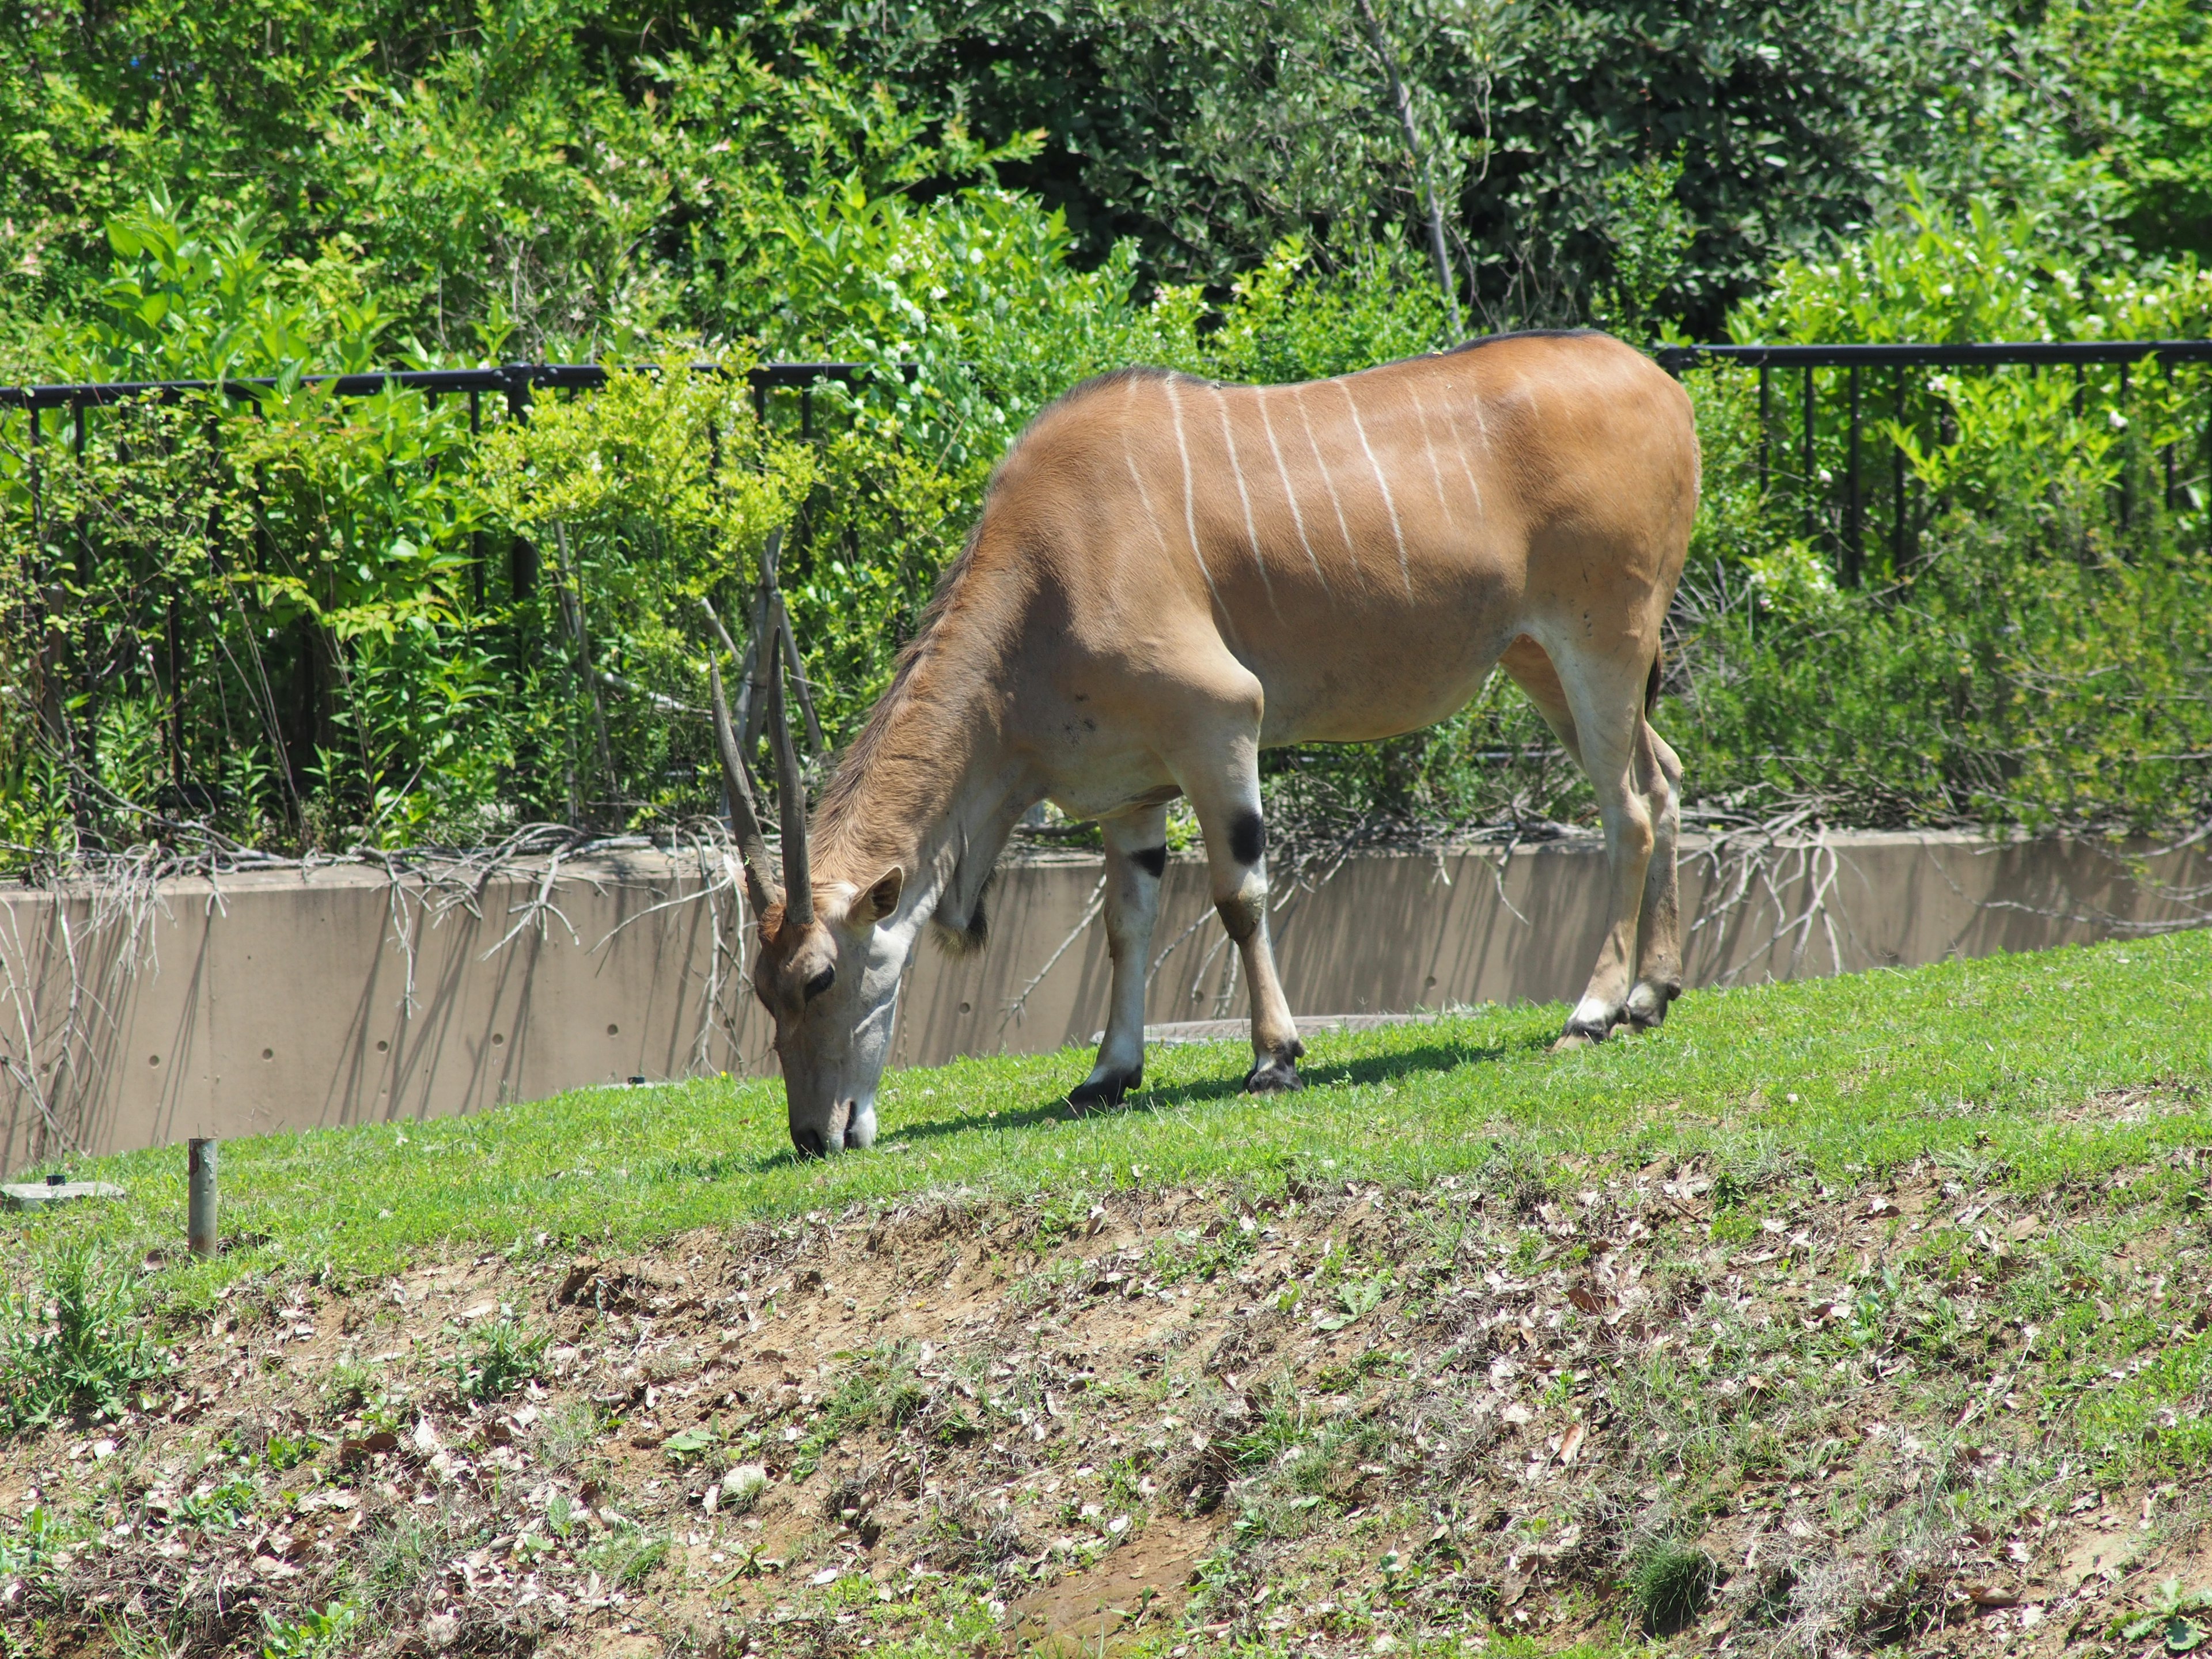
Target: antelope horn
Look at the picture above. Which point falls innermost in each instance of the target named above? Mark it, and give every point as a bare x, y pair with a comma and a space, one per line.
744, 819
791, 788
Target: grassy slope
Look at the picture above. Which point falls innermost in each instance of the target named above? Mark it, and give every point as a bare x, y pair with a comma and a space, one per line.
1993, 1063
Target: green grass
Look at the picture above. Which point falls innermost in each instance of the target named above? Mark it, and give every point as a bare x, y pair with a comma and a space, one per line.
1992, 1065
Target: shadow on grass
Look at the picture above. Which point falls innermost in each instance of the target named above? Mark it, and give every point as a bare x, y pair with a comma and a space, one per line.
1434, 1059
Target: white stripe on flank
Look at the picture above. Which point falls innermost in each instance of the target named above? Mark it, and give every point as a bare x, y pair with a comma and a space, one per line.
1459, 448
1344, 529
1405, 567
1428, 444
1145, 495
1289, 495
1189, 501
1251, 530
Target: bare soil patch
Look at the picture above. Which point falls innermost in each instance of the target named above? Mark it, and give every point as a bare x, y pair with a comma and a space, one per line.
1168, 1422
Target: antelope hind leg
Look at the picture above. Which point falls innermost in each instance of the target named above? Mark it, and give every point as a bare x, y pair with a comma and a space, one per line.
1136, 858
1607, 703
1659, 924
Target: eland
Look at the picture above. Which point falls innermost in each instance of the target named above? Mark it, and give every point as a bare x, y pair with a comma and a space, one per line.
1169, 575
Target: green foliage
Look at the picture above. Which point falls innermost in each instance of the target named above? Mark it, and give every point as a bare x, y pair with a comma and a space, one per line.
1650, 234
77, 1342
300, 621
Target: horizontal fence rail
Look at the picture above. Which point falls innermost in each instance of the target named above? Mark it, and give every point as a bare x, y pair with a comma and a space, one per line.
1995, 353
508, 378
1857, 359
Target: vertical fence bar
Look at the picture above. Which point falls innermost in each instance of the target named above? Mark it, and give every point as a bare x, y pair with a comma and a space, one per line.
476, 537
1804, 474
522, 561
1854, 515
1765, 430
2127, 456
2165, 453
81, 738
1898, 482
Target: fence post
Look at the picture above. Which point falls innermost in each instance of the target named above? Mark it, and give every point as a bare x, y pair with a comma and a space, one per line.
200, 1212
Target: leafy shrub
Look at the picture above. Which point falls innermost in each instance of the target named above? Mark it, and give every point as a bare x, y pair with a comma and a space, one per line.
77, 1342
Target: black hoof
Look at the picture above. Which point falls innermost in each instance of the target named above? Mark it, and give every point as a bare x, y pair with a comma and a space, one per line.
1099, 1093
1579, 1035
1278, 1074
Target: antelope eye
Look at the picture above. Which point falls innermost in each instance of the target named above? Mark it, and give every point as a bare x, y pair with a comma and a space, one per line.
821, 982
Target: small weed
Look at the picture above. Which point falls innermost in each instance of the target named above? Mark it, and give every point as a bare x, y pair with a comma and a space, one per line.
567, 1435
404, 1554
498, 1357
1669, 1588
349, 1385
1358, 1298
77, 1342
2177, 1619
283, 1452
215, 1506
311, 1636
880, 1389
628, 1555
690, 1445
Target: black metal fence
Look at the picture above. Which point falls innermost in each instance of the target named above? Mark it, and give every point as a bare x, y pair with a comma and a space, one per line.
67, 418
1905, 364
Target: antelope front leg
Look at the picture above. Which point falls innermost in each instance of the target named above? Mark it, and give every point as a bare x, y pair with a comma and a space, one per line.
1136, 858
1236, 855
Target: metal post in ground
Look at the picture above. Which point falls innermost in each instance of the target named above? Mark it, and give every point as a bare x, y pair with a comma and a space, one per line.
199, 1225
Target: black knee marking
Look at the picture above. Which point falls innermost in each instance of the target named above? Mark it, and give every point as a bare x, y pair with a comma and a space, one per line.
1153, 861
1248, 838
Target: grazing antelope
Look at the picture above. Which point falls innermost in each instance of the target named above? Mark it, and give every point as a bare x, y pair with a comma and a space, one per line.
1170, 575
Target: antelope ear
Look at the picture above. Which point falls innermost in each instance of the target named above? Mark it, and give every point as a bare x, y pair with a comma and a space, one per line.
880, 900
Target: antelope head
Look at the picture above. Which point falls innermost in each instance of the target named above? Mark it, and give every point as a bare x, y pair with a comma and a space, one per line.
828, 963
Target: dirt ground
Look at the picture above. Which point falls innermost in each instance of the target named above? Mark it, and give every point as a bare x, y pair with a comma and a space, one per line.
1332, 1421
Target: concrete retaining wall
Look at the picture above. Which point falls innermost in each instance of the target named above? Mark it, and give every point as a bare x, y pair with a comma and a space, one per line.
282, 1000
